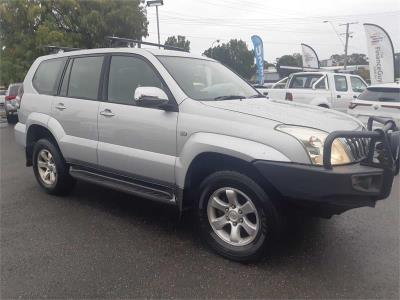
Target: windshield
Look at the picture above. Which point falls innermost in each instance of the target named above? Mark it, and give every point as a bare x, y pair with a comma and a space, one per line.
381, 94
202, 79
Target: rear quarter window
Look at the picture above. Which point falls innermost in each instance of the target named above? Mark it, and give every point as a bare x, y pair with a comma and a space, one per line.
381, 95
47, 76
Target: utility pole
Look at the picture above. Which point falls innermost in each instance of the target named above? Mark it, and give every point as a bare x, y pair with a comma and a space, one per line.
348, 35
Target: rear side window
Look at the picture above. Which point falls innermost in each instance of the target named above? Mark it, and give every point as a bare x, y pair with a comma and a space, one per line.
304, 81
126, 74
341, 83
47, 76
84, 77
357, 84
381, 94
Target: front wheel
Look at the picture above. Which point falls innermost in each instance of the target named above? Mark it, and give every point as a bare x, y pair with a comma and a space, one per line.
236, 217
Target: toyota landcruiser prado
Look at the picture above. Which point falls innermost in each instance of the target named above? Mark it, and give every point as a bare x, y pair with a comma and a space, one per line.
185, 130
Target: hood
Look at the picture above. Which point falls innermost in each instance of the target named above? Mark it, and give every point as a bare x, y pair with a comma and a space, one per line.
286, 112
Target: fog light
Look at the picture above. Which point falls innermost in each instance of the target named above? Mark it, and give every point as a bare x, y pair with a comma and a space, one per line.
367, 183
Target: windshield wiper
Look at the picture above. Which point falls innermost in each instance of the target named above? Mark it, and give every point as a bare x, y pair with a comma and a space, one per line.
257, 96
229, 97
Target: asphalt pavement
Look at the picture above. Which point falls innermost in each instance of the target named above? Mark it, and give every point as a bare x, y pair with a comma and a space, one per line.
98, 243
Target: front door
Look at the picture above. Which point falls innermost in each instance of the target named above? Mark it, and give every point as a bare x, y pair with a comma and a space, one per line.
136, 141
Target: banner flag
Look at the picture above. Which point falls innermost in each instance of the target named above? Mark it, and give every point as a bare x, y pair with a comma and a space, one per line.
380, 54
310, 57
259, 55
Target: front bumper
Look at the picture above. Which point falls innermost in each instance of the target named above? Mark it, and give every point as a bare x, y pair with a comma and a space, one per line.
327, 190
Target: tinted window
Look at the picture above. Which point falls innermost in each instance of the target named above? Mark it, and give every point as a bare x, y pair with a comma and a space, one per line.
304, 81
381, 94
46, 76
340, 83
357, 84
2, 92
126, 74
85, 77
13, 89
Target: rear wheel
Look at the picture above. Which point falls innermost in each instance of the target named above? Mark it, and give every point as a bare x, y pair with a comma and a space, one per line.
236, 217
50, 169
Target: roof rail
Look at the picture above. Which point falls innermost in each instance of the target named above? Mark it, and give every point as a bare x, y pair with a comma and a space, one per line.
116, 41
57, 49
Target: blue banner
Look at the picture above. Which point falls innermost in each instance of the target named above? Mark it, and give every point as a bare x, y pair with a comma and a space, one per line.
259, 54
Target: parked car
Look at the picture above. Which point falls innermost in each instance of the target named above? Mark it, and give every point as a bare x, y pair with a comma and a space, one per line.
381, 100
11, 105
138, 121
324, 89
2, 102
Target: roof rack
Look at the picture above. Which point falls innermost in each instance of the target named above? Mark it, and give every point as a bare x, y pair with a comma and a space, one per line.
117, 41
57, 49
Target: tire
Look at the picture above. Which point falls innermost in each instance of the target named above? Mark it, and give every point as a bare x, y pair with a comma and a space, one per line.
63, 182
246, 247
10, 119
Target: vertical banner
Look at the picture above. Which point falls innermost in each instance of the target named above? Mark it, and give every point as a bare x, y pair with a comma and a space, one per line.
310, 57
259, 55
380, 54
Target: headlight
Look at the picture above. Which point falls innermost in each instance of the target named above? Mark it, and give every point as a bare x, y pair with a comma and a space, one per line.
313, 141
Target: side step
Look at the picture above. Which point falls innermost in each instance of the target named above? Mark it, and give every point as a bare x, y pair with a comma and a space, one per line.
134, 187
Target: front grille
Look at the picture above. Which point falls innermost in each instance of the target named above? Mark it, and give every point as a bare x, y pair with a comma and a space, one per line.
357, 147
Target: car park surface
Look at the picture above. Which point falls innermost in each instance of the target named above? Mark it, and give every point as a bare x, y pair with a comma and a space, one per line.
100, 243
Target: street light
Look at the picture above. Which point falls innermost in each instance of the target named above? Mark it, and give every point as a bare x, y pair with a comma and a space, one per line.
156, 3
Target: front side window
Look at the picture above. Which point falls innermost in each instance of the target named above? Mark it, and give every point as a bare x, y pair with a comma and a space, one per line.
85, 77
340, 83
46, 76
207, 80
381, 94
305, 81
357, 84
126, 74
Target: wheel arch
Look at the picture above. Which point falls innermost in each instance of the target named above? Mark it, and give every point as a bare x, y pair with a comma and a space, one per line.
206, 163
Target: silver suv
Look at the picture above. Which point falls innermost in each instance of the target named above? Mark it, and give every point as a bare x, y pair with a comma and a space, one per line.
184, 130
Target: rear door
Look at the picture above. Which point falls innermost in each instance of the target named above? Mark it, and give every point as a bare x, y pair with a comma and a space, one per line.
342, 95
76, 109
357, 86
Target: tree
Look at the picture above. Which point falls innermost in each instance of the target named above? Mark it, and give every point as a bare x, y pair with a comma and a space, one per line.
27, 25
178, 41
235, 55
294, 60
352, 59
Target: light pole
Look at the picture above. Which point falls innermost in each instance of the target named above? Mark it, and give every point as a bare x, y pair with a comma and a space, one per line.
156, 3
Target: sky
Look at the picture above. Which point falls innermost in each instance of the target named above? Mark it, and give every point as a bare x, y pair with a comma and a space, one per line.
282, 24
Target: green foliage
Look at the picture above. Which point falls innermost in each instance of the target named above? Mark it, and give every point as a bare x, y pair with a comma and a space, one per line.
294, 60
352, 59
27, 25
235, 55
178, 41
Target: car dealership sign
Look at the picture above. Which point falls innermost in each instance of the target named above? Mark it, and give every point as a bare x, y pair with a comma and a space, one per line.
310, 57
259, 55
380, 54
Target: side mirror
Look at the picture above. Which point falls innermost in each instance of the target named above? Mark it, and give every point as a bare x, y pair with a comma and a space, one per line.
149, 96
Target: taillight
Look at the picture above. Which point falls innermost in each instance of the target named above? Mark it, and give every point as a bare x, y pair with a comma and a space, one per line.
289, 97
8, 98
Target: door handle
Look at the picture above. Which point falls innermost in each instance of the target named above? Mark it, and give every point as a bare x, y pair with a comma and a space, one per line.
338, 96
107, 113
355, 97
61, 106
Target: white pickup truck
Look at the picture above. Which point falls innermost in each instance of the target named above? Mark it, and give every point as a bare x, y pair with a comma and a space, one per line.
325, 89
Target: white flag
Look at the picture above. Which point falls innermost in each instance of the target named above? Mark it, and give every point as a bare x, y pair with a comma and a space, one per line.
310, 58
380, 54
